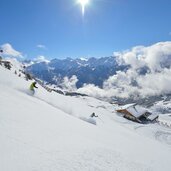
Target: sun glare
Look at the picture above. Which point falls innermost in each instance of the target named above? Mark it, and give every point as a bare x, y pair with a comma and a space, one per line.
83, 4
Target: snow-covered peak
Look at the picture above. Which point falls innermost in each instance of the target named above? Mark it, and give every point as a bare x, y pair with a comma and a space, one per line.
83, 59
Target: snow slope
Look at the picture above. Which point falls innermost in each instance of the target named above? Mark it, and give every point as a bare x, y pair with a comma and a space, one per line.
48, 132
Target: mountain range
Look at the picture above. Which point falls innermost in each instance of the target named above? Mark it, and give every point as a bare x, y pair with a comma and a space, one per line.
88, 71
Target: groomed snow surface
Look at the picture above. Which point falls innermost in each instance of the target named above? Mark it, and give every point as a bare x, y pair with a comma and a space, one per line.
52, 132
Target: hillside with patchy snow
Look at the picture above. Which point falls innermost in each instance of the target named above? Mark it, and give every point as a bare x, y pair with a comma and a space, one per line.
49, 132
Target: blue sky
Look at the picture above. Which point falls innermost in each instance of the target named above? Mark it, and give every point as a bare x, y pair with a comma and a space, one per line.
108, 26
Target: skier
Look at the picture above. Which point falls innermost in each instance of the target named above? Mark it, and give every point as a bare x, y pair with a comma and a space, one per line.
32, 86
93, 115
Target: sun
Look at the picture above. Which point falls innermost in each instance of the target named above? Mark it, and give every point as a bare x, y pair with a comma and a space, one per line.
83, 4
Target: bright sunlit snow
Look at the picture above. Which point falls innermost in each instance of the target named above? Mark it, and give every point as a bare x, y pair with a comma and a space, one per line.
49, 131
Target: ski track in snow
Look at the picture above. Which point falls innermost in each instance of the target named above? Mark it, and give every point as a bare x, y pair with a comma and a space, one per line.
160, 135
163, 137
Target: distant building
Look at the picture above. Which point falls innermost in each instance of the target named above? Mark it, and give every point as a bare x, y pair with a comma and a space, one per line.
136, 113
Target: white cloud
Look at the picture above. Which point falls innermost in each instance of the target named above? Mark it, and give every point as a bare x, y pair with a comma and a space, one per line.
41, 58
156, 80
9, 51
41, 46
69, 84
94, 91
